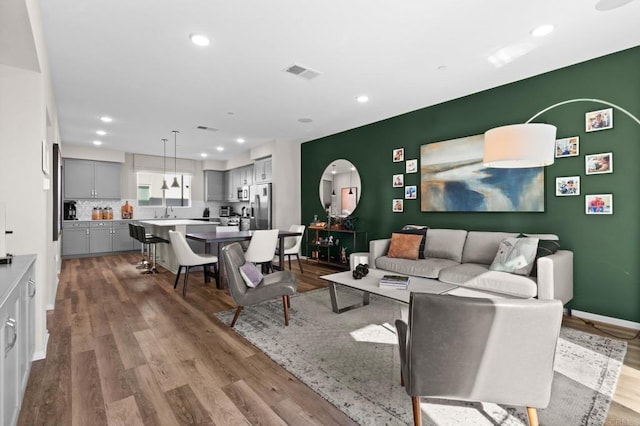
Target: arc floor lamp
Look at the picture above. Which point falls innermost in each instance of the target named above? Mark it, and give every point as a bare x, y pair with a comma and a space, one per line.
528, 144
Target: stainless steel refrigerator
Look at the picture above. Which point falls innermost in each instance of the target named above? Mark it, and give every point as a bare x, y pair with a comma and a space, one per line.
261, 206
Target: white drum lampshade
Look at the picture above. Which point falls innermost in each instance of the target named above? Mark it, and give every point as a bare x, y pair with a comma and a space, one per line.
520, 146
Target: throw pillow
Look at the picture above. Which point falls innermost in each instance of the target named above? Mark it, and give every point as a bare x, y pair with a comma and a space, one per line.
250, 274
545, 248
416, 230
515, 255
404, 246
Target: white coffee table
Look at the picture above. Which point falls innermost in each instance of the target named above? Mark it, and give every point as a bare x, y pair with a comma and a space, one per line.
371, 284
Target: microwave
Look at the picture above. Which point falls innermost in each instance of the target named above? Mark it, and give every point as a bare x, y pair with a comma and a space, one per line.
243, 193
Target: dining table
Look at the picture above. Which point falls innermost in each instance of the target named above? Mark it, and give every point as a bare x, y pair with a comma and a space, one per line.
222, 238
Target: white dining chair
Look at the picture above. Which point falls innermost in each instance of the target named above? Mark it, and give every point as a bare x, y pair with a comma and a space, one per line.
188, 259
292, 246
262, 248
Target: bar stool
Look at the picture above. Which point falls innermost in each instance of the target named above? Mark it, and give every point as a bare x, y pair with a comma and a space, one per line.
133, 234
151, 241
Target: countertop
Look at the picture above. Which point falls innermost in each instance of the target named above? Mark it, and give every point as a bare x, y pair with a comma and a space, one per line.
175, 222
11, 273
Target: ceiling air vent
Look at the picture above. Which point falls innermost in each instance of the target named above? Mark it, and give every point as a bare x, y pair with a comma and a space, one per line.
211, 129
300, 71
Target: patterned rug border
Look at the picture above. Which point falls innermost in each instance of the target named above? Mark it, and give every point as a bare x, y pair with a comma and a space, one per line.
596, 416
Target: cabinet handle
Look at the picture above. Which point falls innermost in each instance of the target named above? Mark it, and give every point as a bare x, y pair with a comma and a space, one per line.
11, 323
32, 285
87, 231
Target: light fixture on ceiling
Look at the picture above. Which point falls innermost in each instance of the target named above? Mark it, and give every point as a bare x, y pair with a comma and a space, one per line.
604, 5
240, 140
199, 40
106, 119
542, 30
164, 165
203, 155
350, 176
101, 132
362, 99
175, 183
97, 143
220, 149
333, 172
529, 144
305, 120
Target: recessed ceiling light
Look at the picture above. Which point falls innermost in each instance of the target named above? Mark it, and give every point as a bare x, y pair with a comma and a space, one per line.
305, 120
106, 119
604, 5
220, 148
362, 99
101, 132
199, 40
203, 155
442, 68
97, 143
240, 140
542, 30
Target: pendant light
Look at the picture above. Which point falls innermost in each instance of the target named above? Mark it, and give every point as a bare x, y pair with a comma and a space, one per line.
333, 172
175, 183
164, 166
350, 175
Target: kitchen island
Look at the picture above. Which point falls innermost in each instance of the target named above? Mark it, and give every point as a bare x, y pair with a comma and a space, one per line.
161, 228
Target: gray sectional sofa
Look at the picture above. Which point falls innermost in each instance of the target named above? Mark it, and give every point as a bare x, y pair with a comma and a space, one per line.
462, 258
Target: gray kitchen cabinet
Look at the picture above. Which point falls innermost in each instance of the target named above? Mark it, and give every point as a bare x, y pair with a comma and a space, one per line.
75, 238
85, 179
246, 175
100, 240
232, 177
17, 289
214, 185
262, 171
121, 241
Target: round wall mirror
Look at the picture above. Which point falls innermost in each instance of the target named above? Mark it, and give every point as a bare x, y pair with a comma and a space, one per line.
340, 188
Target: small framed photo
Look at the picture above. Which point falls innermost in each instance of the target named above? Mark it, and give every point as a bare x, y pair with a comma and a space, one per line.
598, 203
567, 186
398, 155
599, 120
595, 164
411, 192
412, 166
568, 147
398, 205
398, 181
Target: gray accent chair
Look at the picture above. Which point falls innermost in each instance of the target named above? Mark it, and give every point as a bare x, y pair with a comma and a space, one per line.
477, 349
278, 284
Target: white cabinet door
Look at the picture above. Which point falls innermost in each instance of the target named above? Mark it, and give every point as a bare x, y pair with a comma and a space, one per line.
10, 332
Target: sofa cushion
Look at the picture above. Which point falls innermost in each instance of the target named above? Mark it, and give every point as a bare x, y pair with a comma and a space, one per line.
404, 246
458, 274
427, 268
505, 283
416, 230
481, 247
516, 255
445, 244
548, 244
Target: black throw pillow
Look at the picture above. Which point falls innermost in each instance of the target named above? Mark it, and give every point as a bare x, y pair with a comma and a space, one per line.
545, 248
413, 229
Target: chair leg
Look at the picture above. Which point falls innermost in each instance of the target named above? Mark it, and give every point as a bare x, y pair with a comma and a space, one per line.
417, 414
401, 378
235, 317
215, 273
299, 264
186, 278
289, 257
532, 413
175, 284
288, 301
286, 310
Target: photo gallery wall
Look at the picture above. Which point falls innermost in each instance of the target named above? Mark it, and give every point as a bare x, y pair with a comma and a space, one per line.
565, 186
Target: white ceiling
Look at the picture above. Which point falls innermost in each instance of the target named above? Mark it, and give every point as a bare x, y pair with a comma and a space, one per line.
132, 60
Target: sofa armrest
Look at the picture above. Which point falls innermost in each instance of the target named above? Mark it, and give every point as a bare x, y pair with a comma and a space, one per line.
377, 248
555, 276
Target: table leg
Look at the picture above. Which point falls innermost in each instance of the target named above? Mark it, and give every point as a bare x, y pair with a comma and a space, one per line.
207, 272
334, 300
219, 270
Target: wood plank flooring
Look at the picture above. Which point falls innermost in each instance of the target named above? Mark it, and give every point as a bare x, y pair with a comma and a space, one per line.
127, 349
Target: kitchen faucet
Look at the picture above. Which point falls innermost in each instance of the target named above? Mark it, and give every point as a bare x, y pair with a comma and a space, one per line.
166, 212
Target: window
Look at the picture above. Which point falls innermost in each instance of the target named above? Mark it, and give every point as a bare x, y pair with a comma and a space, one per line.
150, 191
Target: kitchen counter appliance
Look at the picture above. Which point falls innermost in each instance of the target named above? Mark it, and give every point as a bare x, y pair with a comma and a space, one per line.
226, 211
70, 211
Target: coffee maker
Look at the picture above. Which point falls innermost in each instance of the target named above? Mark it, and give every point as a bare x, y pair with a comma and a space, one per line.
70, 212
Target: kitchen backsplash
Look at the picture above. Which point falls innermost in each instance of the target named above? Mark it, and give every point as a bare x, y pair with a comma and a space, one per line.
85, 207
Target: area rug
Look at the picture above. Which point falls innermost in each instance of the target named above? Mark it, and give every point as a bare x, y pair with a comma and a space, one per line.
352, 360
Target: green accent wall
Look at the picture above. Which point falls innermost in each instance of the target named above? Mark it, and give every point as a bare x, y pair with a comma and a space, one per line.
606, 247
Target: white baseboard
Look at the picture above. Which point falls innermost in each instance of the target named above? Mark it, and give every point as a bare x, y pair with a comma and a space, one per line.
43, 353
51, 307
607, 320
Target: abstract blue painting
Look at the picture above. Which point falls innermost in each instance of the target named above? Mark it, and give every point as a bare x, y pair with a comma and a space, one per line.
453, 179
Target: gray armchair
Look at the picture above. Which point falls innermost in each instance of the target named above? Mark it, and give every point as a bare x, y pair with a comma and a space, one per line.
278, 284
474, 349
